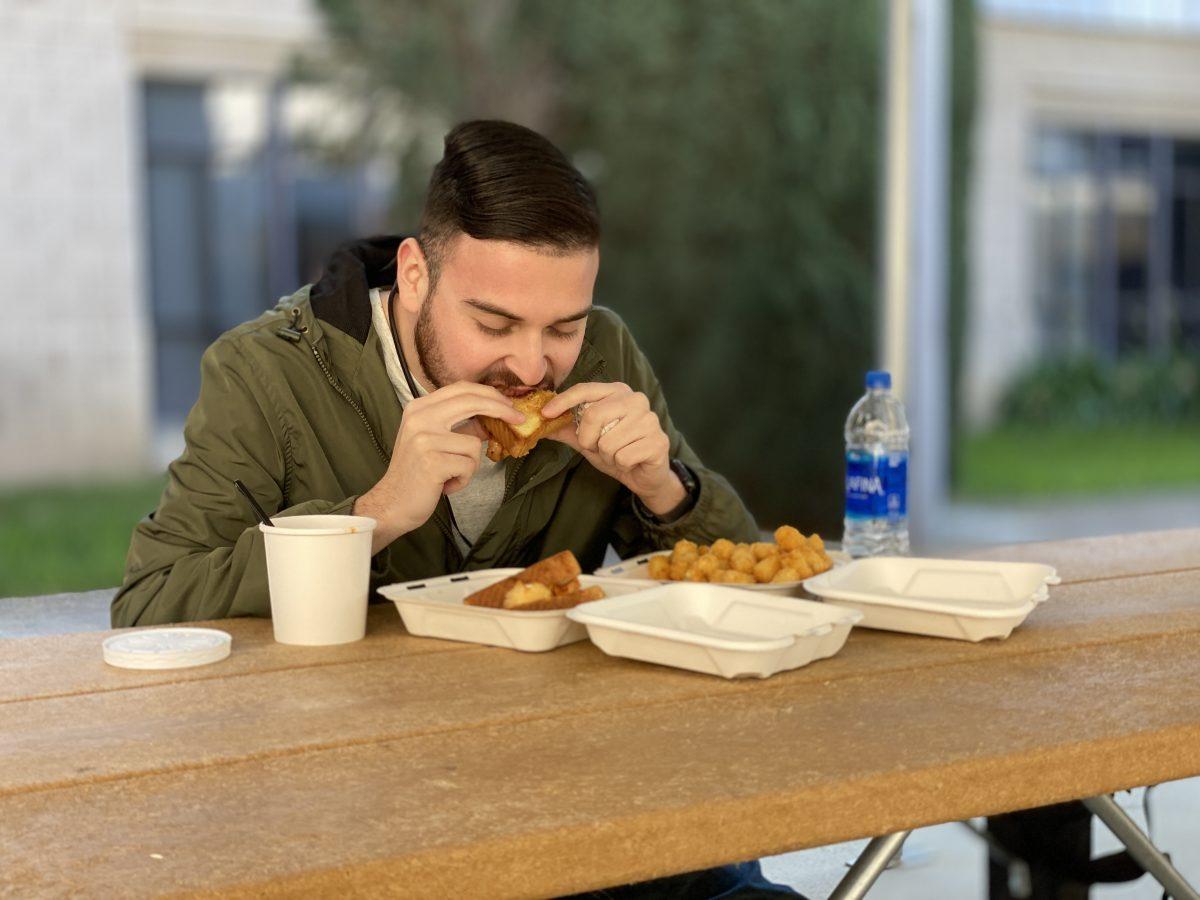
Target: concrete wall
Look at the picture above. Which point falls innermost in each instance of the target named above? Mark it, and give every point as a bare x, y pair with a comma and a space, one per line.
76, 371
1032, 73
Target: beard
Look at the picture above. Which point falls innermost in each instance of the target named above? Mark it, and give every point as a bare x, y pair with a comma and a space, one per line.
433, 362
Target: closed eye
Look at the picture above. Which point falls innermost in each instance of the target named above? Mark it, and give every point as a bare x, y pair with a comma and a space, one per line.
495, 332
507, 330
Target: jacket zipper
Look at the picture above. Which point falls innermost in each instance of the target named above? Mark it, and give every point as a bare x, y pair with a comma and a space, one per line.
345, 395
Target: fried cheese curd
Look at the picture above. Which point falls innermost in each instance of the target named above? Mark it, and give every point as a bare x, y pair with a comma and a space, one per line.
791, 557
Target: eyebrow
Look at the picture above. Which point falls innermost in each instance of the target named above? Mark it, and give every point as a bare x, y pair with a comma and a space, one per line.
493, 310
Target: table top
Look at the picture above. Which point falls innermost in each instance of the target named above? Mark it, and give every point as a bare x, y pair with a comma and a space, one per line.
435, 767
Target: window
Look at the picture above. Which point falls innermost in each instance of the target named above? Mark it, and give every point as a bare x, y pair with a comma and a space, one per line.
239, 212
1117, 226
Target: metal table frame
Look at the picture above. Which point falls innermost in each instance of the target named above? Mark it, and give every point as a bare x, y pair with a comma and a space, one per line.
875, 857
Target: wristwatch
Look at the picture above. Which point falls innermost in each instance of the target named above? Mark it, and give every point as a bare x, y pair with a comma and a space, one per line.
691, 484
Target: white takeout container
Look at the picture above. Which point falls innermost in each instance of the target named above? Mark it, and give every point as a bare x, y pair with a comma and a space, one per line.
318, 572
970, 600
716, 629
434, 607
638, 568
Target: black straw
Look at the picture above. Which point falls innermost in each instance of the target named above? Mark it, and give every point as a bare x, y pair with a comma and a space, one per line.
258, 511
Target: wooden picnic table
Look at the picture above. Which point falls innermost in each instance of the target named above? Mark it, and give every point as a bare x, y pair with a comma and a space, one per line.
429, 768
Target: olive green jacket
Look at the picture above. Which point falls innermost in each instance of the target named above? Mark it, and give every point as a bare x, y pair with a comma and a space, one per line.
298, 405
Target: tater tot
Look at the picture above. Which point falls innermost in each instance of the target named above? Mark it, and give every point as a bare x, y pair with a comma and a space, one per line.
793, 559
788, 538
659, 568
722, 548
765, 569
704, 548
761, 549
732, 576
815, 542
742, 560
694, 574
684, 559
678, 570
708, 564
687, 547
785, 574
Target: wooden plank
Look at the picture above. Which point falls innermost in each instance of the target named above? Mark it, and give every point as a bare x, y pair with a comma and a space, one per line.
702, 781
67, 664
267, 713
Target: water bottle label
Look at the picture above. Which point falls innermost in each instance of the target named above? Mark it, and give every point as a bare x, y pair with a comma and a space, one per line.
876, 485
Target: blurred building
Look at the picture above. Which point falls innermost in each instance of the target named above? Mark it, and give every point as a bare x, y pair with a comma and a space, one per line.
159, 186
159, 183
1085, 203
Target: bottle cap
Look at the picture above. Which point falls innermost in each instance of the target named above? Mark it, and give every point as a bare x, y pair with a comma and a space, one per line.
879, 379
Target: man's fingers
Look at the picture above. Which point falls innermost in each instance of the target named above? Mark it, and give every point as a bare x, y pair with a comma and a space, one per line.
589, 392
445, 413
598, 416
644, 450
631, 428
454, 470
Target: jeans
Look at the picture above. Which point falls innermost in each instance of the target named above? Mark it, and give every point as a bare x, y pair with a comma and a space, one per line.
743, 881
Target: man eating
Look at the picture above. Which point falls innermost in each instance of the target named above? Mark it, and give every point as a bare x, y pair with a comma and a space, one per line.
359, 394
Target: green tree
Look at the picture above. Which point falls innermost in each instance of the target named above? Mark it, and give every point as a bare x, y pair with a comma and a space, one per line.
735, 148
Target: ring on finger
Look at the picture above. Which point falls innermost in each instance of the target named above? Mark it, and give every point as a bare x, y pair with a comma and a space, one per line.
577, 413
609, 427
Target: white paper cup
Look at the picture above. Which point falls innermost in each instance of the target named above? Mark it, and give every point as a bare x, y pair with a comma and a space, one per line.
319, 571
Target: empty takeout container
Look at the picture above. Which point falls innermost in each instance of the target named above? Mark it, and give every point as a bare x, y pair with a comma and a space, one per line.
965, 599
715, 629
434, 607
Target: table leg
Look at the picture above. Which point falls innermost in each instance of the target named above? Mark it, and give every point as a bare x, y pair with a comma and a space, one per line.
867, 868
1140, 848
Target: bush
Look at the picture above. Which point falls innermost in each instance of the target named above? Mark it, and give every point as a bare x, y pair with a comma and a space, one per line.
1088, 393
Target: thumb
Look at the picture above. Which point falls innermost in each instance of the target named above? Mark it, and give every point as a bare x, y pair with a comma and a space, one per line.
472, 427
566, 436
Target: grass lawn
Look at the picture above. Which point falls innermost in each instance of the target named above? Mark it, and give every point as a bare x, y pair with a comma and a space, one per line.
1027, 463
55, 539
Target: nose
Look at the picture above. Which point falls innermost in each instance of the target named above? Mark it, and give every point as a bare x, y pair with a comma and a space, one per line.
529, 362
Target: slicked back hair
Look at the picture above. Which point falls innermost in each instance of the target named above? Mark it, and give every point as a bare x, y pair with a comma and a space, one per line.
504, 182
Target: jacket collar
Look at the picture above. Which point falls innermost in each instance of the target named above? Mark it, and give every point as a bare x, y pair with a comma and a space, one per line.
341, 296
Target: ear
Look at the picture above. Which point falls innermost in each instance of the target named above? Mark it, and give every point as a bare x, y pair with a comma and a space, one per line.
412, 275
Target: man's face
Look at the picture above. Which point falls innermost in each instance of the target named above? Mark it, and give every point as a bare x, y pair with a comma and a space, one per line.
505, 314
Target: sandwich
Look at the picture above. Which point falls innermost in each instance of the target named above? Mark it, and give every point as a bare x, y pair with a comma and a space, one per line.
509, 440
552, 583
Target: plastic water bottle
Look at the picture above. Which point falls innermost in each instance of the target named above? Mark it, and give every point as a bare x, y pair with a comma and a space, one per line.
876, 522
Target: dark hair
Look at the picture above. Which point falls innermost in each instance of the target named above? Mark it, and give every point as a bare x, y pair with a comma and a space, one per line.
504, 182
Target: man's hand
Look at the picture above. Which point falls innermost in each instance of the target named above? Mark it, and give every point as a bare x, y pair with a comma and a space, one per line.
437, 452
621, 436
